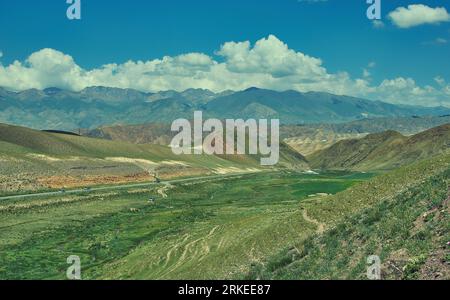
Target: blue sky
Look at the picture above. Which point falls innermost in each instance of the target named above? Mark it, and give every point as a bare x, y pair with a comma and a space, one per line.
336, 32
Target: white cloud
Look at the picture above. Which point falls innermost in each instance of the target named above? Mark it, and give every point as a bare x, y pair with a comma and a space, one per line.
436, 42
270, 56
418, 14
269, 63
439, 80
367, 74
1, 54
42, 69
441, 41
400, 89
378, 24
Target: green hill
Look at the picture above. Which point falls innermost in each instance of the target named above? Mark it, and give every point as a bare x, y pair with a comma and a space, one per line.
34, 160
402, 217
151, 133
382, 151
69, 145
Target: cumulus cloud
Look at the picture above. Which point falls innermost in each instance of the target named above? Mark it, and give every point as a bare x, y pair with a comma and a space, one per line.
418, 14
398, 89
42, 69
269, 63
270, 56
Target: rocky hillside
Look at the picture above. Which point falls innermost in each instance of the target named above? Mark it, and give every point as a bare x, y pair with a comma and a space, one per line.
383, 151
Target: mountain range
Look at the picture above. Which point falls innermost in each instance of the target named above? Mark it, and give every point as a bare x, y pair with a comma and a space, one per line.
58, 109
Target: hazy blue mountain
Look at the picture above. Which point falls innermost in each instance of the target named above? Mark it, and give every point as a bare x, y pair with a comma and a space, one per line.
294, 107
93, 107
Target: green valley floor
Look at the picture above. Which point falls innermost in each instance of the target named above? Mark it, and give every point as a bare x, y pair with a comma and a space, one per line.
281, 225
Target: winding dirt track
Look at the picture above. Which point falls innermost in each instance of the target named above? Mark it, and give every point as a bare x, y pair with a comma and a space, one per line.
320, 226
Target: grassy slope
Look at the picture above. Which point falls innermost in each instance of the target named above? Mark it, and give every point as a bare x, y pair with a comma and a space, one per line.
383, 151
137, 134
34, 160
68, 145
20, 140
403, 217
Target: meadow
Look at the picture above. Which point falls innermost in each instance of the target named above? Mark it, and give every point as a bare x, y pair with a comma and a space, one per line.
210, 229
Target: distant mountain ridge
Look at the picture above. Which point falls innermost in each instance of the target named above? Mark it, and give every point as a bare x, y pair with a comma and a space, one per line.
404, 125
327, 134
58, 109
